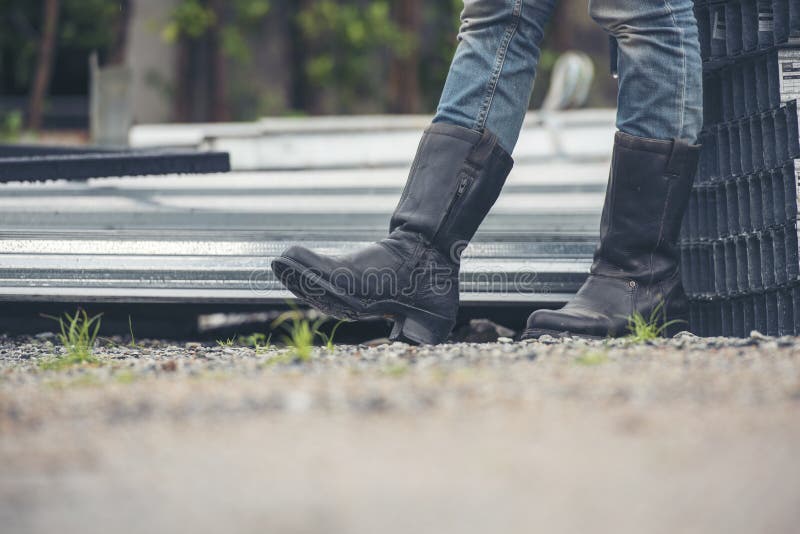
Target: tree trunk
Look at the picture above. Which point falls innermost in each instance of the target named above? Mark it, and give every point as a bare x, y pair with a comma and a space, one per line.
304, 97
120, 45
404, 87
561, 35
182, 99
218, 71
44, 64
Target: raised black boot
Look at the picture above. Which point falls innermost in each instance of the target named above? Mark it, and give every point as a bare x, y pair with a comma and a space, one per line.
411, 276
635, 268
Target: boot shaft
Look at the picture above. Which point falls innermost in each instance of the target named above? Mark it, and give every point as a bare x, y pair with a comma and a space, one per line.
456, 178
648, 191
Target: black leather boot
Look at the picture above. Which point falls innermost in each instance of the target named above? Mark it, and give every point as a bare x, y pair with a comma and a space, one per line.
411, 276
635, 268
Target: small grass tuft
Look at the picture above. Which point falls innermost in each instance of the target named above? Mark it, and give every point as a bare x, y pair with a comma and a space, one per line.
130, 329
328, 338
78, 335
644, 329
301, 333
260, 342
230, 342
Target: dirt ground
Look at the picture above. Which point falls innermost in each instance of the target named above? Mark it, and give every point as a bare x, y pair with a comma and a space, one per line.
686, 435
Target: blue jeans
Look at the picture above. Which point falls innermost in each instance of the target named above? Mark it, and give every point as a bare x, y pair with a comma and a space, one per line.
660, 72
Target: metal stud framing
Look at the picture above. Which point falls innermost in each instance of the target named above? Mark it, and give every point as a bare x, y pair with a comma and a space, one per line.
739, 242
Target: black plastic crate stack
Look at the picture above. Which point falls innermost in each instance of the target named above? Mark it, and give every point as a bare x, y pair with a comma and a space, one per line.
740, 237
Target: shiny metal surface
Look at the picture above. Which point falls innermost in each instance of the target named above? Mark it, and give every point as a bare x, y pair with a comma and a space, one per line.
139, 266
210, 238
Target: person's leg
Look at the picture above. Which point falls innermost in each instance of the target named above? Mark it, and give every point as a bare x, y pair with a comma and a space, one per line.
659, 65
491, 78
635, 268
460, 167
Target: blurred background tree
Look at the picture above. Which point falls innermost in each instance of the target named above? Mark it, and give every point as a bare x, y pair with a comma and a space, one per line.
242, 59
45, 44
211, 34
346, 44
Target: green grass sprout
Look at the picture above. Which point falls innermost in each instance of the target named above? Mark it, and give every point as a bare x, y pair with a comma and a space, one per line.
648, 329
328, 338
260, 342
78, 335
130, 329
301, 333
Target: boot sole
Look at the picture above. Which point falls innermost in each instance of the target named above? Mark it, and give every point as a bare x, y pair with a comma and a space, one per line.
411, 325
536, 333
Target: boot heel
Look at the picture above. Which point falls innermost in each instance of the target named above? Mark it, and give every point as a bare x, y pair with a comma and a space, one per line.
421, 330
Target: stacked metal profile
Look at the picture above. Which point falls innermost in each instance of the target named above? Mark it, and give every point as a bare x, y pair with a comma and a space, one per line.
740, 236
328, 183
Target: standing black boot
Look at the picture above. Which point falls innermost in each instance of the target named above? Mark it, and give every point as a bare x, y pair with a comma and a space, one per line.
411, 276
635, 267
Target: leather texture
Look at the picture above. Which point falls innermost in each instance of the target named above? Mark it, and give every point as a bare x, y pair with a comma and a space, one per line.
455, 179
635, 268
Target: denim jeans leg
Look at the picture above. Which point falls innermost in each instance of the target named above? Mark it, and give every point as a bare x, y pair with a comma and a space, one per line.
491, 78
660, 72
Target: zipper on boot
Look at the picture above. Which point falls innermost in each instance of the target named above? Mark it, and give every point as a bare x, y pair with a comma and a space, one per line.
464, 182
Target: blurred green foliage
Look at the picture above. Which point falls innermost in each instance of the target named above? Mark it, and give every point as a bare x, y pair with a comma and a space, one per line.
88, 24
328, 56
438, 51
83, 24
191, 19
246, 16
347, 41
11, 124
238, 20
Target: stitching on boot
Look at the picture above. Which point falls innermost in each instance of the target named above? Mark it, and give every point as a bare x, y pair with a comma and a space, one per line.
664, 212
610, 191
411, 175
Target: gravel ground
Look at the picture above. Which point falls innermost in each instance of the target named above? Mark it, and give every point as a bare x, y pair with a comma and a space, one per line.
681, 435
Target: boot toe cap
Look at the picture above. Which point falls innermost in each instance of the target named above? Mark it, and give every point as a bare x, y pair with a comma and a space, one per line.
299, 256
567, 322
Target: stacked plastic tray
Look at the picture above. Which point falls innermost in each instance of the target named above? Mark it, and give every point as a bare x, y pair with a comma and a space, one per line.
739, 243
